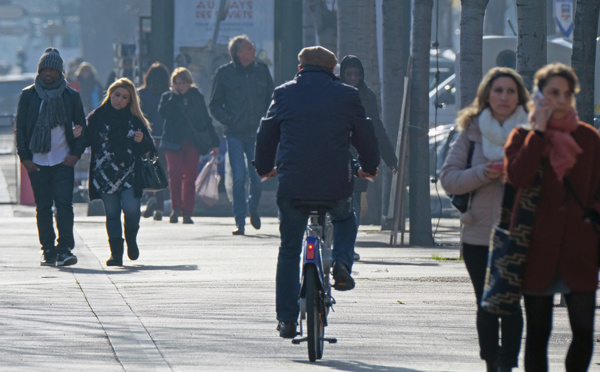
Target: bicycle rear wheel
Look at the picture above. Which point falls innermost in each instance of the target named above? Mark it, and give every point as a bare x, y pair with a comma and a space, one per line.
314, 314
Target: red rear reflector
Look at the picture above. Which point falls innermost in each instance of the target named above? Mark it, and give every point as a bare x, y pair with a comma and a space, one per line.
310, 252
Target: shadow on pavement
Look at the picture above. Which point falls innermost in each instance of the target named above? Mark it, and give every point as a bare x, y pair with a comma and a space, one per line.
261, 236
356, 366
397, 263
128, 269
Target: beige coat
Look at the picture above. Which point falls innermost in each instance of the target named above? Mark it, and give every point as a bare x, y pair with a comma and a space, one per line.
486, 200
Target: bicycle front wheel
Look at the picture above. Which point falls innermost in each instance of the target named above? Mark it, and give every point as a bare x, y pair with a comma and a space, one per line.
315, 317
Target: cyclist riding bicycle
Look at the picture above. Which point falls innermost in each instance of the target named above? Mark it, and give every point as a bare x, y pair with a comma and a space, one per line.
306, 134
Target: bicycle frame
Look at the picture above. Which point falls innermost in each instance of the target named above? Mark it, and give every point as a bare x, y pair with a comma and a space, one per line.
315, 291
316, 252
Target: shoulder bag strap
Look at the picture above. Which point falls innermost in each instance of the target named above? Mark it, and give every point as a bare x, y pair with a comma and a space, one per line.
570, 189
470, 154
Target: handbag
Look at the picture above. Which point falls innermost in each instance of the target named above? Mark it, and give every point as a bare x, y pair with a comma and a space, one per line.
207, 183
461, 202
508, 250
153, 176
202, 139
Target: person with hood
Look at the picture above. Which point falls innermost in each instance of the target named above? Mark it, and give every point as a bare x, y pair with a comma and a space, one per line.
353, 73
314, 111
48, 114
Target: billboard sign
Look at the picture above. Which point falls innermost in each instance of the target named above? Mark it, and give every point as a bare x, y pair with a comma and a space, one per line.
195, 22
563, 16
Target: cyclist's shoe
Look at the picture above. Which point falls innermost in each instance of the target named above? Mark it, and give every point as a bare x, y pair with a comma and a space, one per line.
66, 258
287, 330
342, 277
356, 256
255, 219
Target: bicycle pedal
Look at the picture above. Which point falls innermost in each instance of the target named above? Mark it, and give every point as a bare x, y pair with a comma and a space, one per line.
297, 341
331, 340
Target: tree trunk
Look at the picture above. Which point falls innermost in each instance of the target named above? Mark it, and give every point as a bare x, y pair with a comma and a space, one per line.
471, 34
552, 27
531, 38
420, 204
393, 69
309, 33
495, 18
357, 35
584, 56
326, 23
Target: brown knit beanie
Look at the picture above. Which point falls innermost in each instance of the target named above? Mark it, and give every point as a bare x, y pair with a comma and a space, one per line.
51, 59
317, 56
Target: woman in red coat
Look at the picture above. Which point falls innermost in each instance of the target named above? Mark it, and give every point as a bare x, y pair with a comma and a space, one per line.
563, 251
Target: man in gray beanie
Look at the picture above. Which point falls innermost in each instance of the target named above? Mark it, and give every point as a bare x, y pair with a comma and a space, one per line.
307, 133
48, 116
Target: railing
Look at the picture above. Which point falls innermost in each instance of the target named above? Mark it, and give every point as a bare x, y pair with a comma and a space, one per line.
9, 193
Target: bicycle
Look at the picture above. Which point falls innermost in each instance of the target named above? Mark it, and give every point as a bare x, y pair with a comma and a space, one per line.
315, 291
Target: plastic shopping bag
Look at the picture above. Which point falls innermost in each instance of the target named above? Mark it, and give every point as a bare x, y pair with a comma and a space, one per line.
207, 183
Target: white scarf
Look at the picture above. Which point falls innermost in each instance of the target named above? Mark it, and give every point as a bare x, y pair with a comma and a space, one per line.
494, 135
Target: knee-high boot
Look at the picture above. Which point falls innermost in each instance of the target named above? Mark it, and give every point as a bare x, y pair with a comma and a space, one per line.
116, 252
133, 251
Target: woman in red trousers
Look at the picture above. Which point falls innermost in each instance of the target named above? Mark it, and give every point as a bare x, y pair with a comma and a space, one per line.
188, 133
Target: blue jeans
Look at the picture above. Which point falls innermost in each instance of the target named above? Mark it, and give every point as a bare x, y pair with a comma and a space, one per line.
292, 224
54, 185
237, 147
356, 202
113, 205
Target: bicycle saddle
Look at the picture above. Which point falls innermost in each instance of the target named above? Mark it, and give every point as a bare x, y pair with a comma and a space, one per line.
314, 205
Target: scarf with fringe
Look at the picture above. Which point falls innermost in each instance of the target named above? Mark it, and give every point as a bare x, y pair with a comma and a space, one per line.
561, 148
51, 115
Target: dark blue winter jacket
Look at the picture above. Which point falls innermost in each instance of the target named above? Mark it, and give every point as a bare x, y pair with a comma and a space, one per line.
307, 133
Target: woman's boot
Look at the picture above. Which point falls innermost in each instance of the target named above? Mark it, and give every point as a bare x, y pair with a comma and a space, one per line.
133, 251
116, 252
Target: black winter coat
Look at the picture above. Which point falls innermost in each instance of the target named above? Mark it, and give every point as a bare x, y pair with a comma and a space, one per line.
27, 115
369, 101
96, 121
149, 102
311, 124
180, 118
240, 97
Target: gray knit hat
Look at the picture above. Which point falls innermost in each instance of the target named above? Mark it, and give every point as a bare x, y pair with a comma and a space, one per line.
51, 59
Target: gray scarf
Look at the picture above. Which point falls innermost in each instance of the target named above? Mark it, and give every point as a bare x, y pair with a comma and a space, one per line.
51, 115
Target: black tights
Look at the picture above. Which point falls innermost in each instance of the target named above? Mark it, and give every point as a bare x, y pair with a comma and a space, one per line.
581, 307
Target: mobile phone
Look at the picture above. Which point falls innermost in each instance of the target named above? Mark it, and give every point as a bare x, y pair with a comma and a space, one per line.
537, 97
499, 165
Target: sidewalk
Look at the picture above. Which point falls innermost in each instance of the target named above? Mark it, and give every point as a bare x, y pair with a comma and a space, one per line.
199, 298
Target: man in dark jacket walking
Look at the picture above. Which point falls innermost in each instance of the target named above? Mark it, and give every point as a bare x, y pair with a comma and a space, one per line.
306, 134
240, 97
47, 114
